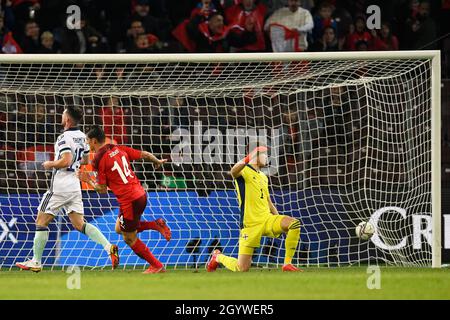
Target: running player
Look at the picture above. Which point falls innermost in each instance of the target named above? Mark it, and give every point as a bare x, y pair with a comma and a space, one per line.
112, 163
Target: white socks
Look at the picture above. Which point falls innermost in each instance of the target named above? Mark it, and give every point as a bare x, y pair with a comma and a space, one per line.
40, 240
95, 235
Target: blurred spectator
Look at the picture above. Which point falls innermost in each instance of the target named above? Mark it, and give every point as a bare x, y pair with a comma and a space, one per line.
3, 118
48, 44
274, 5
214, 36
249, 10
288, 28
31, 43
344, 21
201, 13
23, 11
99, 74
7, 42
145, 43
384, 40
291, 130
328, 41
158, 26
358, 34
38, 130
324, 19
83, 40
362, 45
355, 7
334, 107
204, 8
136, 28
120, 75
158, 7
161, 130
7, 16
421, 29
290, 147
9, 45
16, 136
312, 131
113, 121
180, 113
135, 39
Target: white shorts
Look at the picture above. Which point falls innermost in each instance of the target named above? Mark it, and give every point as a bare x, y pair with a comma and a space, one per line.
57, 203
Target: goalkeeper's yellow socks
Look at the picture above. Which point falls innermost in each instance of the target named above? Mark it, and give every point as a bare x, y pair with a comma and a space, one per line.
40, 240
228, 262
292, 239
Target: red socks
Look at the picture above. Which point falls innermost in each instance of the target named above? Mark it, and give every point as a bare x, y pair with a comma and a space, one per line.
146, 225
143, 252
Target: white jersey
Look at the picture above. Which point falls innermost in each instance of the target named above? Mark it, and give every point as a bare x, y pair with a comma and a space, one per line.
65, 180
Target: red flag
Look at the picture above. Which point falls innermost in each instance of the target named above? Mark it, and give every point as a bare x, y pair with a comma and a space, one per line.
180, 33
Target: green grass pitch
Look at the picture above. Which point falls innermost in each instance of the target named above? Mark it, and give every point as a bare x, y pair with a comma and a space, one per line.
314, 283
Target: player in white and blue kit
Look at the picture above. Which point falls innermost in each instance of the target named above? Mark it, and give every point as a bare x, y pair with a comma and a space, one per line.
64, 194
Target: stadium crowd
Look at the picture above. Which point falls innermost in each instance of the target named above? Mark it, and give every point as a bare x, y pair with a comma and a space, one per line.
39, 26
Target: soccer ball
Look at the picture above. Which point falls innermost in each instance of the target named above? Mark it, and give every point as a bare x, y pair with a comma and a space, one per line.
364, 230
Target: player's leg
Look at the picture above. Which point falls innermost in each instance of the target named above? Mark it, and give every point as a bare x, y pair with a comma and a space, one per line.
159, 225
39, 242
117, 227
40, 239
130, 215
138, 247
41, 235
290, 226
141, 250
241, 264
74, 205
249, 239
78, 222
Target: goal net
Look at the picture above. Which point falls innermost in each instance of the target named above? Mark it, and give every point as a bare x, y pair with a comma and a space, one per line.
352, 137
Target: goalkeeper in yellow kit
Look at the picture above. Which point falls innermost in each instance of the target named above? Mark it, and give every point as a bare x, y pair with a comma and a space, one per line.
259, 217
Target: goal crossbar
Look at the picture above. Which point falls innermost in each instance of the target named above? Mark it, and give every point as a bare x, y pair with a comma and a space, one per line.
218, 57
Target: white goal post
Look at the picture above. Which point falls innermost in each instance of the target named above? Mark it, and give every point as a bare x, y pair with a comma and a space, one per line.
353, 136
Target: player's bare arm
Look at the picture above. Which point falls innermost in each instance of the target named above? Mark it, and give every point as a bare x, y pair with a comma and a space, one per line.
151, 157
85, 177
239, 166
64, 162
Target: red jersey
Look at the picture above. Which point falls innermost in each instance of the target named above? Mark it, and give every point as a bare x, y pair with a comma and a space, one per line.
355, 37
112, 163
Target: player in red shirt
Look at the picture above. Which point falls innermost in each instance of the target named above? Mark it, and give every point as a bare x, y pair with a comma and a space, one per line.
112, 163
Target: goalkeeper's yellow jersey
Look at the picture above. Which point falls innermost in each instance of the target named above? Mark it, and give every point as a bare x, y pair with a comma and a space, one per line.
252, 188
